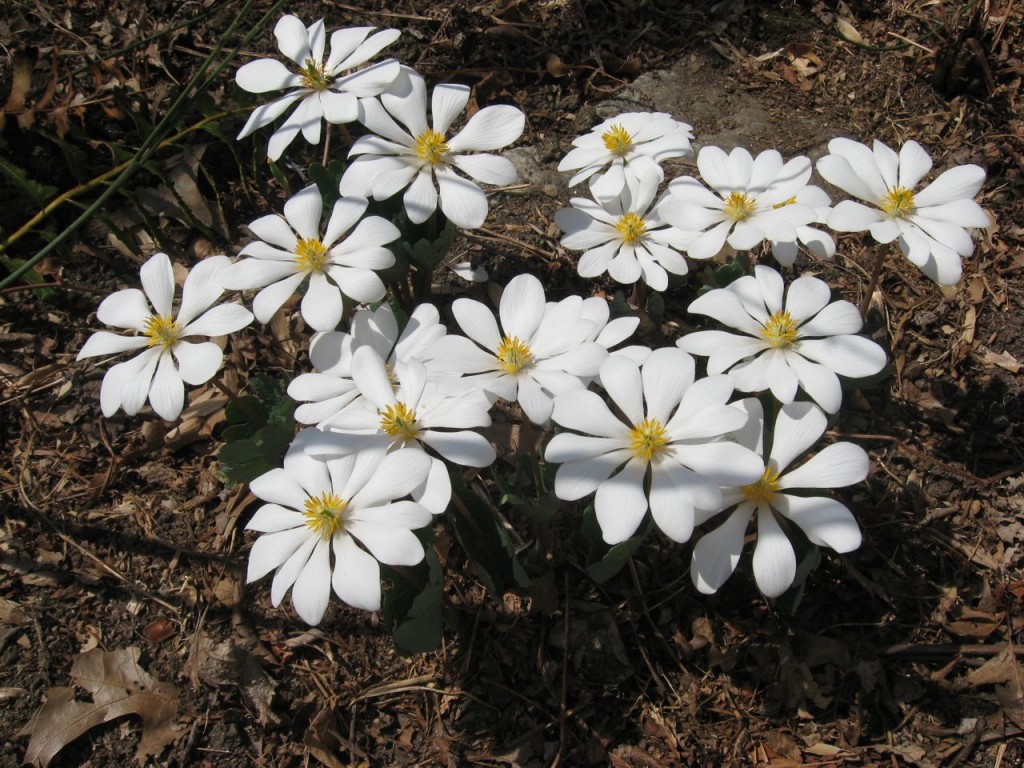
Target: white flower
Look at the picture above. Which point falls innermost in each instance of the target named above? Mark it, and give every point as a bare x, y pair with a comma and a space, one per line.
415, 155
624, 237
400, 408
815, 240
803, 341
539, 351
929, 225
345, 507
825, 521
291, 248
319, 87
327, 391
669, 435
610, 333
753, 200
168, 362
630, 145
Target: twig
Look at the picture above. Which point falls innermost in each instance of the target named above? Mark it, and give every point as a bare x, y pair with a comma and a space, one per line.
876, 270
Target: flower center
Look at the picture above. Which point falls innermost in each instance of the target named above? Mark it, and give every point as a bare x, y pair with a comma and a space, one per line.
431, 147
325, 514
513, 355
162, 331
765, 489
632, 228
780, 330
647, 439
617, 140
739, 206
399, 420
313, 77
310, 255
898, 203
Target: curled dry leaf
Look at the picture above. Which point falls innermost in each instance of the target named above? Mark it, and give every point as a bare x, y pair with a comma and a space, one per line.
119, 687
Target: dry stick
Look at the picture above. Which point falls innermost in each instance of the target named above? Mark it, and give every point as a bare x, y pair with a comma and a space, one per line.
876, 271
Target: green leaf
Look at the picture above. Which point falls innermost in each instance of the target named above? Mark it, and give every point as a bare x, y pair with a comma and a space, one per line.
413, 605
31, 277
327, 179
730, 271
39, 194
486, 542
242, 461
260, 427
606, 562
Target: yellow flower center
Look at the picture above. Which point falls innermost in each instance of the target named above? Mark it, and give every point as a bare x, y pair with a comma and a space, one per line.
898, 203
632, 228
325, 514
313, 77
765, 489
617, 140
399, 420
310, 255
647, 439
431, 147
513, 355
780, 330
162, 331
739, 206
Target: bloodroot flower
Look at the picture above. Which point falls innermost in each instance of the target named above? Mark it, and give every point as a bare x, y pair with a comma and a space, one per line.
320, 87
348, 509
291, 248
625, 236
629, 145
800, 341
666, 453
167, 361
750, 200
540, 350
929, 225
418, 156
825, 521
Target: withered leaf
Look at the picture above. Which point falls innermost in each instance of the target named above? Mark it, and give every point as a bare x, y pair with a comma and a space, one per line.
119, 687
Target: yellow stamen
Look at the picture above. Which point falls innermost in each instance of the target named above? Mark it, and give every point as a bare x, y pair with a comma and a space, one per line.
739, 206
313, 77
325, 514
765, 489
632, 228
780, 330
784, 203
898, 203
162, 331
399, 420
431, 147
617, 140
513, 355
310, 255
647, 439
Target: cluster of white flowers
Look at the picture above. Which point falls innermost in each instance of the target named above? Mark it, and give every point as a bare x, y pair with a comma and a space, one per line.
388, 408
744, 201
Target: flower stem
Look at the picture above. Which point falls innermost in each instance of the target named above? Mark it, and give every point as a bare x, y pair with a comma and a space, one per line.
876, 271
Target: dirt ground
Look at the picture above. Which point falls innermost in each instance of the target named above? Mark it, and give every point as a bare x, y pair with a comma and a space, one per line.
122, 545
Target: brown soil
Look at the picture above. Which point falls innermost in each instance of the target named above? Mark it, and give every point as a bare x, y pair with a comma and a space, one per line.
121, 533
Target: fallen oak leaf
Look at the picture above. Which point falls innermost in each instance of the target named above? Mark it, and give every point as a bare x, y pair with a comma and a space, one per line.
119, 687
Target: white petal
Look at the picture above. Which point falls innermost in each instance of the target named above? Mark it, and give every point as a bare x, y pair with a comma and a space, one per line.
825, 521
961, 182
158, 283
197, 363
167, 391
522, 306
107, 343
312, 590
621, 379
303, 212
135, 390
797, 427
125, 309
914, 164
273, 549
835, 466
620, 502
446, 103
490, 169
465, 448
395, 476
462, 201
322, 306
389, 544
490, 128
774, 559
356, 578
279, 487
420, 198
271, 518
265, 75
575, 479
293, 39
716, 554
270, 299
586, 412
202, 288
847, 355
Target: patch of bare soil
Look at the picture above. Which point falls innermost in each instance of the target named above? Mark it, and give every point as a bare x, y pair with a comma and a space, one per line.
122, 549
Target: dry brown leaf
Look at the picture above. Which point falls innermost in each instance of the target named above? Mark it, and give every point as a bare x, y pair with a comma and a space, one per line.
119, 687
1003, 360
997, 670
